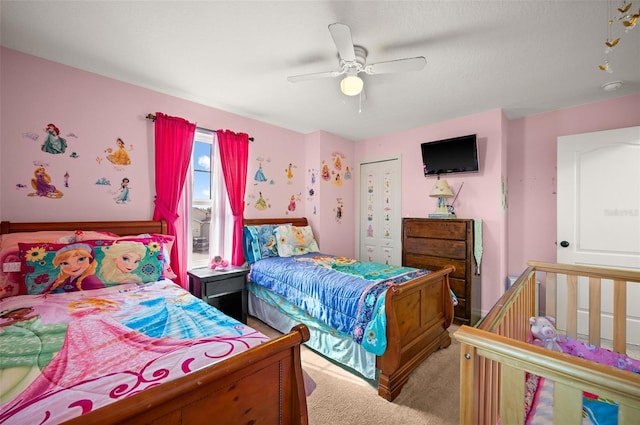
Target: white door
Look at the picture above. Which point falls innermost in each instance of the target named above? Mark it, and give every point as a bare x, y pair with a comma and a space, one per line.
380, 215
599, 213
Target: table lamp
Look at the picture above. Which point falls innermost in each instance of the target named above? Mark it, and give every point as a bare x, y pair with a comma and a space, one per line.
441, 191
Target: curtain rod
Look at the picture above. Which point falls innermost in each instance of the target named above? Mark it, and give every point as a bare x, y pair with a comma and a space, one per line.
153, 118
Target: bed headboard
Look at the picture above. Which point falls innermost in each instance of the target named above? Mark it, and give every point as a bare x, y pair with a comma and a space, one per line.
299, 221
121, 228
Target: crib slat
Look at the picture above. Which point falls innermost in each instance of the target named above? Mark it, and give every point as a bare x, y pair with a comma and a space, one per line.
551, 294
567, 404
628, 415
483, 391
620, 316
572, 306
467, 377
494, 390
595, 311
512, 396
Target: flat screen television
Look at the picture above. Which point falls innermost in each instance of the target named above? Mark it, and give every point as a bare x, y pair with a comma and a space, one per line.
455, 155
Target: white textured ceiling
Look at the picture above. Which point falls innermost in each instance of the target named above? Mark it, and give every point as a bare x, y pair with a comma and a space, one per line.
525, 57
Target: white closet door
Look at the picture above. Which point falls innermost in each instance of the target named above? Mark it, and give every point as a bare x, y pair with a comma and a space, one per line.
380, 212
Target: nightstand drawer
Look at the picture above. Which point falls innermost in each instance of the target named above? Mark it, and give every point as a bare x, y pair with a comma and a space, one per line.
224, 286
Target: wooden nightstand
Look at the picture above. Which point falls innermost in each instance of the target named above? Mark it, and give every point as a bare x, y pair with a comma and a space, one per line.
226, 290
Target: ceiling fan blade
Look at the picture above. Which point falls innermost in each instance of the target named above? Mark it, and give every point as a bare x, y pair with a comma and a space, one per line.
314, 76
398, 65
341, 34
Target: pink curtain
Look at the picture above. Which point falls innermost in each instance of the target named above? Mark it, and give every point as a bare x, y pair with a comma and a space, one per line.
234, 155
173, 144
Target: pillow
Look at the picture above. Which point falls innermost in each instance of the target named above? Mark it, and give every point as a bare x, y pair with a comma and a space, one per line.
250, 247
167, 241
85, 265
260, 242
11, 282
294, 240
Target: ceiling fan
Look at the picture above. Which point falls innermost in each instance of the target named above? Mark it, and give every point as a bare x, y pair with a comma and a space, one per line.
353, 61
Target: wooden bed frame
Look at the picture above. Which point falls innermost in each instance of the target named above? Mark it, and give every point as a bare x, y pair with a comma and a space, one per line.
263, 385
495, 355
419, 312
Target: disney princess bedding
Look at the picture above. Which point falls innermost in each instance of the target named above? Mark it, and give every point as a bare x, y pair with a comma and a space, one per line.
65, 354
90, 318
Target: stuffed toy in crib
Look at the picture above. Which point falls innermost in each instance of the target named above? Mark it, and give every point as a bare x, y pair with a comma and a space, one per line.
544, 332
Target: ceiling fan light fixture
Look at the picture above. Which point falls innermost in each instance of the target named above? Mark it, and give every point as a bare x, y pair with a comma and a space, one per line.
351, 85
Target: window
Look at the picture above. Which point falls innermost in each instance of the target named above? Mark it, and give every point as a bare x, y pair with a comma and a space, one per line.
211, 220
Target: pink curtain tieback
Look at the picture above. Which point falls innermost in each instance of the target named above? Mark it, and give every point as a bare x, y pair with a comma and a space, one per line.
167, 214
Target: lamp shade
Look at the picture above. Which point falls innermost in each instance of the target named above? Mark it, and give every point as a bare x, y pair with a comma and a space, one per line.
441, 189
351, 85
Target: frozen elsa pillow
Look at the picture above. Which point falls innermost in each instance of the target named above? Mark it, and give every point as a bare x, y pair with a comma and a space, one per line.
167, 244
295, 240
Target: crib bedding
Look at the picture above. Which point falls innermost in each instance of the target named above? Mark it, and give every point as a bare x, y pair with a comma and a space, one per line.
595, 409
344, 294
63, 355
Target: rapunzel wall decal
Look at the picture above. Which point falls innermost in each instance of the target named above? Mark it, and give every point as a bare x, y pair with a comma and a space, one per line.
41, 183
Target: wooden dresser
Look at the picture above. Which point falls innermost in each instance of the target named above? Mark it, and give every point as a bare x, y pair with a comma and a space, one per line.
432, 243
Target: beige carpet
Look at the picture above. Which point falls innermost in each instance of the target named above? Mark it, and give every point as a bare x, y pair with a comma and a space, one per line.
430, 397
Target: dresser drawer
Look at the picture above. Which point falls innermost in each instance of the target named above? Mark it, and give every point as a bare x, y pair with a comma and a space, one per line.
458, 286
436, 247
436, 263
460, 311
440, 229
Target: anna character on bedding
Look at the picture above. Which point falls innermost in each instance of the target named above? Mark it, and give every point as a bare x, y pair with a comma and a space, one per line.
121, 260
77, 266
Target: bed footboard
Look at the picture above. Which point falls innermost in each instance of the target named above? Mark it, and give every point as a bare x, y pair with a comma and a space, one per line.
418, 315
495, 356
263, 385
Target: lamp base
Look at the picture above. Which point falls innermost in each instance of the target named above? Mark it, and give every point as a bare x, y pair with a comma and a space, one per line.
448, 215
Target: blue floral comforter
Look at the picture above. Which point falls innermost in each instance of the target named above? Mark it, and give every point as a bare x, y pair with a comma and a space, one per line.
342, 293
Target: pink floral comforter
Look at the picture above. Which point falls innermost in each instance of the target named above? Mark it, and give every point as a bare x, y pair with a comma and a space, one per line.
64, 355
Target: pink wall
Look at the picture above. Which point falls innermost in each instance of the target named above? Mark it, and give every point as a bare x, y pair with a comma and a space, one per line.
338, 191
98, 110
481, 196
532, 154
